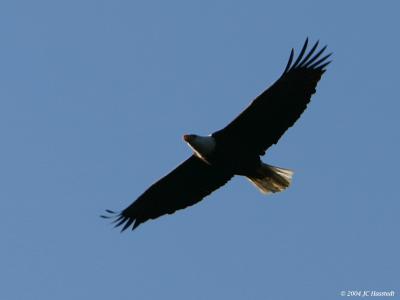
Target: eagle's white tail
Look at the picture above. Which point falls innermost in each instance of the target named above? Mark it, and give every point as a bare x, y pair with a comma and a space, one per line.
270, 179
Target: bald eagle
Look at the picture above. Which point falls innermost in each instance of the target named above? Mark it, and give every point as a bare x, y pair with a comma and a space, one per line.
235, 149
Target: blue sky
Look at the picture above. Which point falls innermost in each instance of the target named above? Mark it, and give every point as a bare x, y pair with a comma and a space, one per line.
94, 99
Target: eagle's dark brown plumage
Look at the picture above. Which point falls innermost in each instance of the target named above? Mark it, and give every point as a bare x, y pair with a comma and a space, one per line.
237, 147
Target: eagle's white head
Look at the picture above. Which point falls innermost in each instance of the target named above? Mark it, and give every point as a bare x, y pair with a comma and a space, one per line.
202, 146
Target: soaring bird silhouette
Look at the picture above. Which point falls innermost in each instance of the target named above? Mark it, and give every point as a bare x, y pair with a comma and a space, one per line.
235, 149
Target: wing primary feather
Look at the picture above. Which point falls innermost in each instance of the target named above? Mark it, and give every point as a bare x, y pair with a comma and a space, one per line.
308, 55
110, 212
120, 217
306, 65
130, 221
321, 67
303, 50
121, 222
315, 65
137, 223
289, 61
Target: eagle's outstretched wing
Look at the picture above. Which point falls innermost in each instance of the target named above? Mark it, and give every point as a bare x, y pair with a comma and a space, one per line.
186, 185
265, 120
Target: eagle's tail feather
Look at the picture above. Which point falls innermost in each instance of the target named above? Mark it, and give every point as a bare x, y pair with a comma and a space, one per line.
270, 179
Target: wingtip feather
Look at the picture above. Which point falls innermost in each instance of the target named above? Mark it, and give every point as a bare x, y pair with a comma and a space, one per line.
322, 67
111, 214
309, 60
316, 56
122, 221
309, 54
303, 50
316, 65
130, 221
137, 223
289, 61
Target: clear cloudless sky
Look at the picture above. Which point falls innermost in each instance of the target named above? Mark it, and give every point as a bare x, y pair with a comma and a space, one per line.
94, 99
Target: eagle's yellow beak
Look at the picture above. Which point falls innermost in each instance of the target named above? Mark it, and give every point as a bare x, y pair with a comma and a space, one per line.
187, 138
